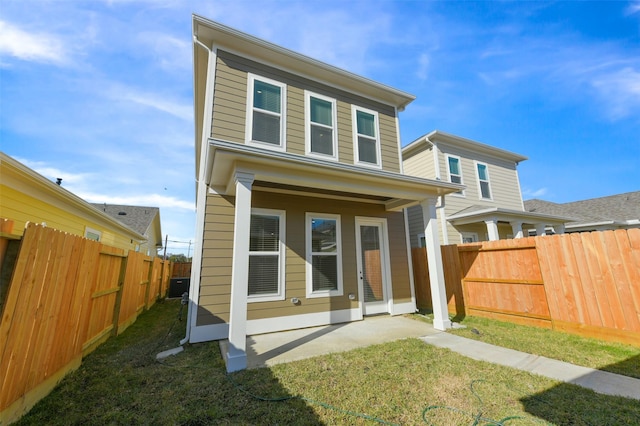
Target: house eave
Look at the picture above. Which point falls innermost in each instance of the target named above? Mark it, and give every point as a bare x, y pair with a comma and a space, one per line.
461, 142
505, 215
213, 33
394, 190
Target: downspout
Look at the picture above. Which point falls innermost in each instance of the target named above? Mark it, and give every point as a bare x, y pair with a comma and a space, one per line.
201, 195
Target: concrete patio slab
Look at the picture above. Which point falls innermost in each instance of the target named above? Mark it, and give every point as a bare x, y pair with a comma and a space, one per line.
274, 348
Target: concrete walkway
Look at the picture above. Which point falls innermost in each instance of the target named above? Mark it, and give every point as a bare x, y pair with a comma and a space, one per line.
274, 348
599, 381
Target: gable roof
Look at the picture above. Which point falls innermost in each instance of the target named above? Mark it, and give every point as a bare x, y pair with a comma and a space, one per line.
460, 142
138, 218
619, 209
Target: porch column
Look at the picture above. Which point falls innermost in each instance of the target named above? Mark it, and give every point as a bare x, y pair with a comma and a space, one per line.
540, 229
441, 319
559, 228
492, 229
236, 356
516, 228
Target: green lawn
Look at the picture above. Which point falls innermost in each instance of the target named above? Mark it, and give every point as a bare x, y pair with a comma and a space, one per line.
405, 382
607, 356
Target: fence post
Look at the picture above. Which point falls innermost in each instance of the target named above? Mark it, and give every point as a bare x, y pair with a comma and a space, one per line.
116, 307
148, 290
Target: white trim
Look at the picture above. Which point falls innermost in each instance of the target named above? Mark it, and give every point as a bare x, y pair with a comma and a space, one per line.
251, 78
89, 230
201, 199
407, 237
399, 142
387, 292
356, 155
207, 333
476, 164
420, 243
309, 216
436, 159
282, 248
293, 322
447, 156
307, 125
404, 308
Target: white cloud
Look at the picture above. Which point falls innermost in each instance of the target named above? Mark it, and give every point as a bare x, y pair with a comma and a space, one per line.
53, 173
633, 8
620, 91
33, 47
144, 199
534, 193
172, 53
152, 100
424, 63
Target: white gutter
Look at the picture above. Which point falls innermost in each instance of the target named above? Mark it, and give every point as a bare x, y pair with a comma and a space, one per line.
201, 194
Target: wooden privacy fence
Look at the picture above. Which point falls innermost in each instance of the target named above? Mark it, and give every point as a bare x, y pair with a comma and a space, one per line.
583, 283
67, 296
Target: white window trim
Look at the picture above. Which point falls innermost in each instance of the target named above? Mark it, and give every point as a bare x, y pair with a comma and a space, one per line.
356, 155
280, 295
447, 156
307, 125
472, 235
421, 240
488, 180
309, 256
251, 78
88, 230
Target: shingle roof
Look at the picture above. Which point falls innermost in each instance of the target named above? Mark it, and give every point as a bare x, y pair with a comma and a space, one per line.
618, 208
138, 218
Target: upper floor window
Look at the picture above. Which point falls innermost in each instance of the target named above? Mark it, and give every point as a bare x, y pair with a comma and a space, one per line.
92, 234
320, 119
324, 258
266, 255
266, 112
455, 171
483, 180
366, 136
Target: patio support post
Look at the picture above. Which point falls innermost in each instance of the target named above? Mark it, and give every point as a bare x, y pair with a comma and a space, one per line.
540, 229
492, 229
236, 356
516, 228
441, 319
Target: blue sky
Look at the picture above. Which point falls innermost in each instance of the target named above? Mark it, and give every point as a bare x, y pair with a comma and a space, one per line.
99, 93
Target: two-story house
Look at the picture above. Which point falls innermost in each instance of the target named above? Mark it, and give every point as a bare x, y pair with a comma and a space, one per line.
300, 195
490, 207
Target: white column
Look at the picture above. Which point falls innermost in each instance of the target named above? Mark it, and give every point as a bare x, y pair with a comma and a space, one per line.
559, 228
236, 356
492, 229
441, 319
540, 229
516, 229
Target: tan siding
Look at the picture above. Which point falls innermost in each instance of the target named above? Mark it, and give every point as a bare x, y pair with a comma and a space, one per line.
420, 163
217, 252
230, 109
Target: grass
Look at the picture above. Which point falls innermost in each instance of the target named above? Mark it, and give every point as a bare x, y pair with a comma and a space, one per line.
405, 382
613, 357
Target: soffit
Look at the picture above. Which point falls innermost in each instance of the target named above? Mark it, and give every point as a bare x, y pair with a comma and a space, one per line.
279, 171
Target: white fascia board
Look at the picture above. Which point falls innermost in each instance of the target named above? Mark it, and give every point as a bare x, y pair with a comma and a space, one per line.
506, 215
292, 169
268, 53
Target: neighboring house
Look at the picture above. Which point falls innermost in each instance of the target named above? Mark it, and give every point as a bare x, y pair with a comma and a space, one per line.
26, 196
300, 195
144, 220
490, 206
620, 211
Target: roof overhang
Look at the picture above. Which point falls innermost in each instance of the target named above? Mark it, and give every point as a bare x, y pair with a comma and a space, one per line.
439, 136
505, 215
285, 172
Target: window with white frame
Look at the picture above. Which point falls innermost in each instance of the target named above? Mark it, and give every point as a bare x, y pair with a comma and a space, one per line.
324, 255
266, 255
92, 234
321, 136
455, 171
483, 181
266, 112
366, 136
